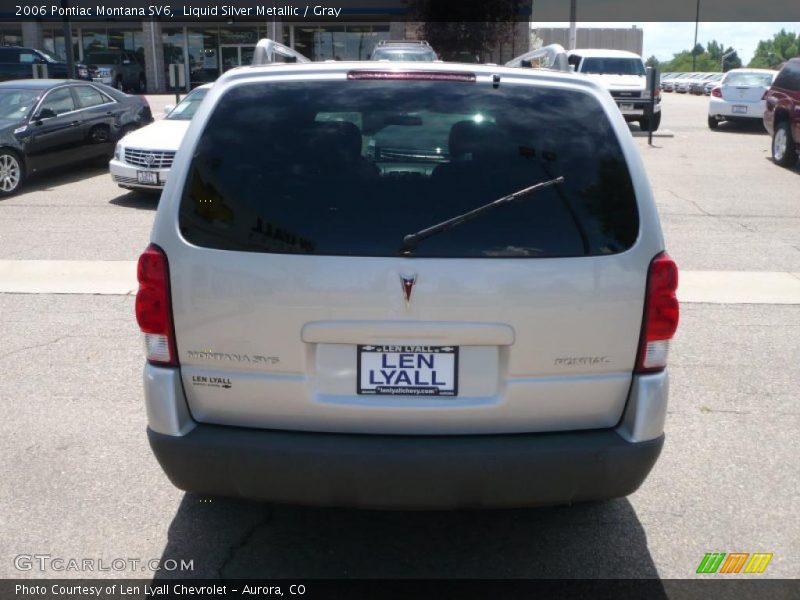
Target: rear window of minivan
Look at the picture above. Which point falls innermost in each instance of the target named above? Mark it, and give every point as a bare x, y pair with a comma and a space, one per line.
349, 168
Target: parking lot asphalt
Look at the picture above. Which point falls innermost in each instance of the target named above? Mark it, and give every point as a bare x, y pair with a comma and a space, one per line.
79, 479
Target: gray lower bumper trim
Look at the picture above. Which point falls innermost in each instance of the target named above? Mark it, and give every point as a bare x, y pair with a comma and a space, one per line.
381, 471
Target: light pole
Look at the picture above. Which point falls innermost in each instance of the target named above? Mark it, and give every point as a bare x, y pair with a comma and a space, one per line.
68, 41
573, 32
724, 57
696, 25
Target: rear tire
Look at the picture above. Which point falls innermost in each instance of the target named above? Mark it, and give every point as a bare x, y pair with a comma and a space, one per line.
713, 123
784, 149
12, 173
100, 134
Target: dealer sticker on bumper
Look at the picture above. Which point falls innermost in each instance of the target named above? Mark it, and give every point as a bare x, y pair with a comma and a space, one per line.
407, 370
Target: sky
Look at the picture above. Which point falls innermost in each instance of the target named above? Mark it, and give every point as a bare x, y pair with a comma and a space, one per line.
665, 39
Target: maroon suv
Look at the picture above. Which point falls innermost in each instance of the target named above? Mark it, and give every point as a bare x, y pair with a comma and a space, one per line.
782, 114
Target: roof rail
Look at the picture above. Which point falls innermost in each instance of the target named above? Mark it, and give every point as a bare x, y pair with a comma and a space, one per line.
267, 52
548, 57
409, 42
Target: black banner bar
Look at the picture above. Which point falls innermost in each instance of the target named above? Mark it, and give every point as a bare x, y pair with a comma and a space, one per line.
715, 586
354, 11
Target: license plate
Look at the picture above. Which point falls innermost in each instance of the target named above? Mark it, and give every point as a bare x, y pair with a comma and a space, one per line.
739, 110
150, 177
407, 370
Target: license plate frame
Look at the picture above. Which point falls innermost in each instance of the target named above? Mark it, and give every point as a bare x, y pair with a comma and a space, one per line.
437, 370
739, 109
626, 106
147, 177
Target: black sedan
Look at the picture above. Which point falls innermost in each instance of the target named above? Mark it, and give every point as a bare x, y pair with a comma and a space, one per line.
48, 123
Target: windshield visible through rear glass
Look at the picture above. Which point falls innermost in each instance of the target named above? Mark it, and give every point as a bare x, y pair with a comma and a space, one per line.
16, 104
350, 168
185, 110
613, 66
398, 55
755, 79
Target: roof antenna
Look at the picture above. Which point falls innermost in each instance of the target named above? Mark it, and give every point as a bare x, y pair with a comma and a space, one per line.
495, 81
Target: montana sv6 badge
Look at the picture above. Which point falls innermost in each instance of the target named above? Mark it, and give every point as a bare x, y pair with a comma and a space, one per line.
233, 357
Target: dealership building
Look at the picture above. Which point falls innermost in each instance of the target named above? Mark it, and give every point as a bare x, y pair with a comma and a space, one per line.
206, 48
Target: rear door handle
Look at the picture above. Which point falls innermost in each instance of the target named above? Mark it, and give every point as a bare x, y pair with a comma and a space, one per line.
75, 123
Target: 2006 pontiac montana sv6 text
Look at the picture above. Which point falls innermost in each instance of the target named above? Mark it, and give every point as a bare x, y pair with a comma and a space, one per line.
407, 285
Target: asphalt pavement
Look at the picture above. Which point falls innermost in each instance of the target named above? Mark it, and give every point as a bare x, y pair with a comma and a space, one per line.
79, 480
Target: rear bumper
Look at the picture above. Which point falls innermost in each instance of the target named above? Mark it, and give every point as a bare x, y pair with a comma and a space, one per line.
405, 471
718, 107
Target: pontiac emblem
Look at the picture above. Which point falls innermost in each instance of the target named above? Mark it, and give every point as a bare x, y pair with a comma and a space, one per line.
408, 282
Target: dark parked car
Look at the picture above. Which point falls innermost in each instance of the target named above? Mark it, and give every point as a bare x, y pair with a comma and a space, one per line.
782, 114
121, 69
48, 123
18, 63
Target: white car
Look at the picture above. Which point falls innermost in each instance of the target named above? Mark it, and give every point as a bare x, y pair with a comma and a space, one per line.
143, 158
623, 75
740, 95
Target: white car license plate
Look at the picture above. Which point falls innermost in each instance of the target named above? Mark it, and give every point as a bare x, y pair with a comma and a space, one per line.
149, 177
626, 106
739, 109
407, 370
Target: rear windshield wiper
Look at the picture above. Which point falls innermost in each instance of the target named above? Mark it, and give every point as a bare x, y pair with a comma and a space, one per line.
411, 241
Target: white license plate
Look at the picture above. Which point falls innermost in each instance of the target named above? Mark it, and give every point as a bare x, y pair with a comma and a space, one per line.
626, 106
149, 177
739, 109
407, 370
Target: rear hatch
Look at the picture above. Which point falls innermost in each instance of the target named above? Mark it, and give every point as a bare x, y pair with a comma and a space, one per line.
745, 88
298, 306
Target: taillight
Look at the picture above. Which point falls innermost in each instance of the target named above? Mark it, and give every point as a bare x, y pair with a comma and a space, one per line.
154, 307
764, 95
716, 92
660, 314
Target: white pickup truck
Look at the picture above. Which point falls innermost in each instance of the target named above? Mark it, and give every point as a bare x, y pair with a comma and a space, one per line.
624, 75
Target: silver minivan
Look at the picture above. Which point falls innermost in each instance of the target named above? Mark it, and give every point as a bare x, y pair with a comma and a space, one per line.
407, 285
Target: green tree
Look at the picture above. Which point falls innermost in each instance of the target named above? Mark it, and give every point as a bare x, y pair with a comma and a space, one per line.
652, 62
771, 53
732, 61
706, 60
715, 50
